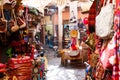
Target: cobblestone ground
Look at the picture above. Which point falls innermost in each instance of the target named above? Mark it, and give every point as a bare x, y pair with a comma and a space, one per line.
73, 71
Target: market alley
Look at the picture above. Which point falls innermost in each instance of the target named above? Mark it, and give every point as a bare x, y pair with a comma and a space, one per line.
73, 71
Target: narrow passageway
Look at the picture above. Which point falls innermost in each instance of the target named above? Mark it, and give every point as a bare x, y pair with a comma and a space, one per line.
73, 71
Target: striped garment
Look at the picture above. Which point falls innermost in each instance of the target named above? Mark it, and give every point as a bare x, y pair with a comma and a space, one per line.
94, 10
91, 17
116, 67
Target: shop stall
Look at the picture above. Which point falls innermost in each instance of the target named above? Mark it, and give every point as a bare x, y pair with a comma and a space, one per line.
103, 41
17, 26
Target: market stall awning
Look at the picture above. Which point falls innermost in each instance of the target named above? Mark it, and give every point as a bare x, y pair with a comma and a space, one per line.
40, 4
85, 6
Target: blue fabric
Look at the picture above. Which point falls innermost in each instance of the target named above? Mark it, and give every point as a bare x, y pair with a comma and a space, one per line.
7, 14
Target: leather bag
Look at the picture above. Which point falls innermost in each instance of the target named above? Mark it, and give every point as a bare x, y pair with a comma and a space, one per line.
21, 23
3, 21
14, 27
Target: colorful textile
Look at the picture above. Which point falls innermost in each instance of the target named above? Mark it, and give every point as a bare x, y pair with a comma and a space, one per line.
94, 10
99, 75
116, 67
91, 17
73, 44
107, 53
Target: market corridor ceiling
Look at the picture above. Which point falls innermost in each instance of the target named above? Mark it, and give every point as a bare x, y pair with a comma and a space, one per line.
40, 4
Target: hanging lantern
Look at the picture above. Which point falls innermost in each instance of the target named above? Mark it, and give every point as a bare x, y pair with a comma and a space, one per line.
85, 20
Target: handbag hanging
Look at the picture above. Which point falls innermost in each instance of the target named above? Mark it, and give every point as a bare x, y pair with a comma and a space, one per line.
3, 21
21, 23
104, 20
14, 27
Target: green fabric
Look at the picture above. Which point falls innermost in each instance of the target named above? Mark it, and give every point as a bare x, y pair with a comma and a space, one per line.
9, 52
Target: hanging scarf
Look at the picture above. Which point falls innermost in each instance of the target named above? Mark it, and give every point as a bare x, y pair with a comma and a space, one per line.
94, 10
73, 44
116, 66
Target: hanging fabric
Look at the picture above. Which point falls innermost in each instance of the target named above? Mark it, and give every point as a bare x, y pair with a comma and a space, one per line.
107, 53
91, 17
94, 10
116, 66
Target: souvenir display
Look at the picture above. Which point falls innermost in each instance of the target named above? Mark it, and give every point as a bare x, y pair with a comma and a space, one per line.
20, 67
108, 49
39, 68
25, 30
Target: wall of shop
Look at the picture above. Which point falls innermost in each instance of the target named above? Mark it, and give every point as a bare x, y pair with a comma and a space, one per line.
49, 24
66, 16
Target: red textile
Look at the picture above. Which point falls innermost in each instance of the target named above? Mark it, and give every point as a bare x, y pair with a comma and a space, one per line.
2, 68
116, 67
94, 10
91, 17
73, 45
107, 53
2, 65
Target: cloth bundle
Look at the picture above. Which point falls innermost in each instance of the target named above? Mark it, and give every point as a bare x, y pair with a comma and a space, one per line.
21, 68
2, 68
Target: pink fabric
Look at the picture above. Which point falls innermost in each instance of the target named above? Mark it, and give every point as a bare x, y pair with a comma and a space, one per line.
107, 53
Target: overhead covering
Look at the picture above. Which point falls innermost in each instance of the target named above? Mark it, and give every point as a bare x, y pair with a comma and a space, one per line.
40, 4
85, 6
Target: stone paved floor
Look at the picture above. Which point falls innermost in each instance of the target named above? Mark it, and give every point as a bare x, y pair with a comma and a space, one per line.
73, 71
